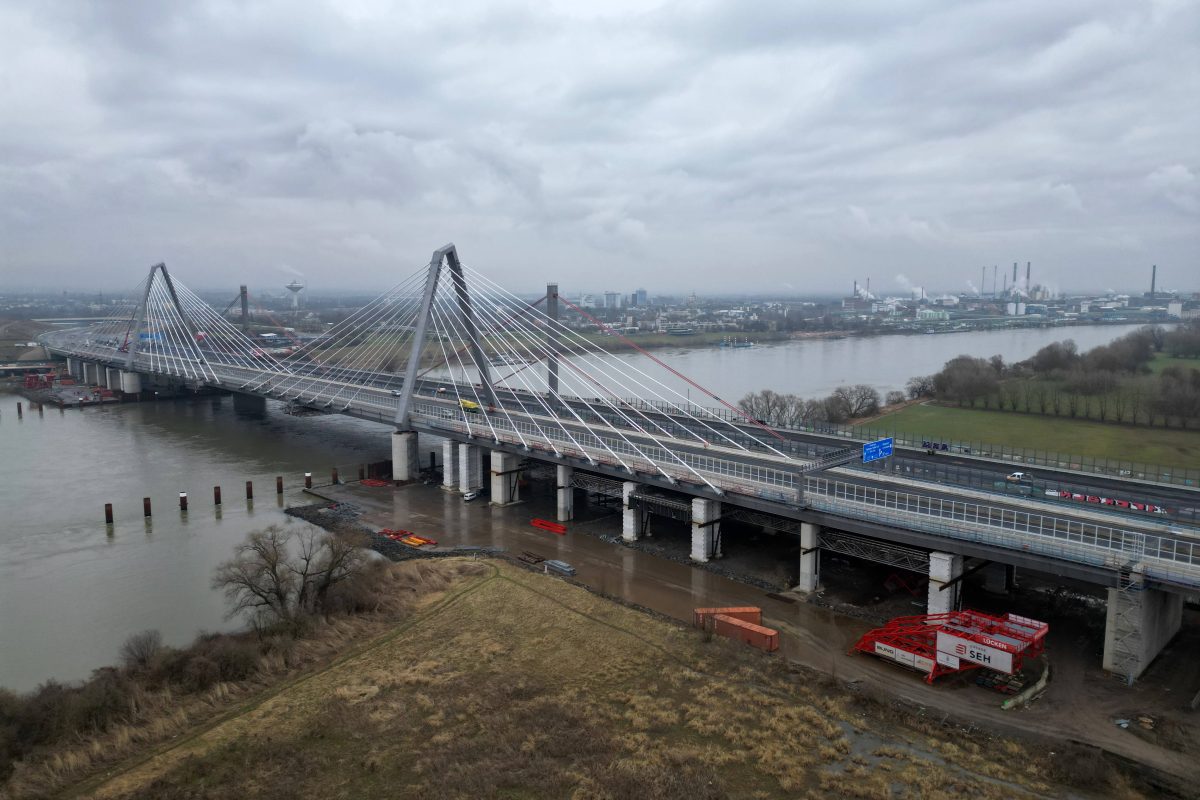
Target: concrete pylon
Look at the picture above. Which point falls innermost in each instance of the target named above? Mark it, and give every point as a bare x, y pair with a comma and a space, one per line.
943, 568
505, 488
1139, 624
706, 530
565, 492
810, 558
404, 456
630, 522
449, 465
470, 468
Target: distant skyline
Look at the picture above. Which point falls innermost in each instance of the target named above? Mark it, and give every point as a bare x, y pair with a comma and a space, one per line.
770, 148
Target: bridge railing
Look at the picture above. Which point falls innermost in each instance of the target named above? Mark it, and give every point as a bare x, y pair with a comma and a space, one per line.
1109, 467
1167, 559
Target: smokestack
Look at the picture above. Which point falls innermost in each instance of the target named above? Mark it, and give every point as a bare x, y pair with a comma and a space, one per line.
993, 280
1005, 283
1028, 272
982, 280
1153, 279
1014, 274
855, 289
868, 287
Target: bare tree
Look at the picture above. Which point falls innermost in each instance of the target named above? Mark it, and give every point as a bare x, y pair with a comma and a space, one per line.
280, 575
860, 399
258, 579
920, 386
140, 649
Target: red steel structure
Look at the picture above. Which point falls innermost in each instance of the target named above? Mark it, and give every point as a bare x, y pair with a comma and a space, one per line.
943, 644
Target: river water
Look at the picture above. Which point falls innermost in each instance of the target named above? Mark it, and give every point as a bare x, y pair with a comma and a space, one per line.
72, 588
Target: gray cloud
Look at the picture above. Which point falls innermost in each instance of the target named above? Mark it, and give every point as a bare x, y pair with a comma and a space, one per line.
712, 146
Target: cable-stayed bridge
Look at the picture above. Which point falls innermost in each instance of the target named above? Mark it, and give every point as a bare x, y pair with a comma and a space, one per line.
492, 371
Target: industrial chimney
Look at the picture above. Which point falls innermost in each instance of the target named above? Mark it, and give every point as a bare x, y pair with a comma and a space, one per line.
1153, 279
1028, 271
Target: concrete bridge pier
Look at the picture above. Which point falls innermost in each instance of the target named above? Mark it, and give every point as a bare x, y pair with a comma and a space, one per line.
470, 468
810, 558
506, 473
706, 529
565, 492
89, 373
1139, 624
450, 465
112, 379
405, 466
999, 578
631, 517
131, 382
944, 568
249, 403
70, 366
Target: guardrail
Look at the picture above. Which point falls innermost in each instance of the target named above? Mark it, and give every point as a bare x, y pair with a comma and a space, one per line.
1165, 559
1116, 468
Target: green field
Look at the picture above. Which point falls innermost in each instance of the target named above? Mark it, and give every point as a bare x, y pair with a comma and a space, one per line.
1162, 361
1078, 437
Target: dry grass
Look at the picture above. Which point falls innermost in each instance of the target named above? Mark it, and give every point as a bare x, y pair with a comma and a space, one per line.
519, 685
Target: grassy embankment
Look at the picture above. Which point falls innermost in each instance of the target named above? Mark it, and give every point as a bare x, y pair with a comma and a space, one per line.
1141, 444
15, 335
497, 691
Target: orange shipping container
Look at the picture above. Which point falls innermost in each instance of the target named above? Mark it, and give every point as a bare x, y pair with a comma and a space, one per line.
744, 613
764, 639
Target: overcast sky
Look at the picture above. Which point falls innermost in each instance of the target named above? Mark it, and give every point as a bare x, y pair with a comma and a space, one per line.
789, 146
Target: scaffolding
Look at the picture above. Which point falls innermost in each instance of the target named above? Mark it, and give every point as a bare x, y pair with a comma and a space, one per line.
957, 641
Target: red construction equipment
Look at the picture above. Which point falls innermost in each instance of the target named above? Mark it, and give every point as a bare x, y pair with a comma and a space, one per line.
941, 644
547, 525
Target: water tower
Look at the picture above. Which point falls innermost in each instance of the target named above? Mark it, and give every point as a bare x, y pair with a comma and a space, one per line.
295, 287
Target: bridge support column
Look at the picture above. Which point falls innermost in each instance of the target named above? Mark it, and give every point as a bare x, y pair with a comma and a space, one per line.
565, 492
943, 568
810, 558
71, 366
89, 373
449, 465
112, 379
999, 578
404, 457
505, 473
131, 382
251, 404
631, 522
470, 468
706, 529
1139, 624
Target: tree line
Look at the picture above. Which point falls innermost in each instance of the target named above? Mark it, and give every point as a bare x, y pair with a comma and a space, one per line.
1109, 383
793, 411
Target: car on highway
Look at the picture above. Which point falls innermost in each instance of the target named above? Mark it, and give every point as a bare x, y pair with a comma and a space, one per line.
471, 495
1076, 496
1018, 477
1091, 498
1057, 493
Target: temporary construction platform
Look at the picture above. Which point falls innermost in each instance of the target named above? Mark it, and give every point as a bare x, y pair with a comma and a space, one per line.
941, 644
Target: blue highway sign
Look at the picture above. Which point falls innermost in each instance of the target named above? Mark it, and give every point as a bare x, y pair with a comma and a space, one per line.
873, 451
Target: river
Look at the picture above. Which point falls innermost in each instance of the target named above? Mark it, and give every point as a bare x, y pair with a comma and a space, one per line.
72, 590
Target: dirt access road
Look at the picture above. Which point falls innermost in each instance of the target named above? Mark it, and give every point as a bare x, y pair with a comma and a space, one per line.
1079, 705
